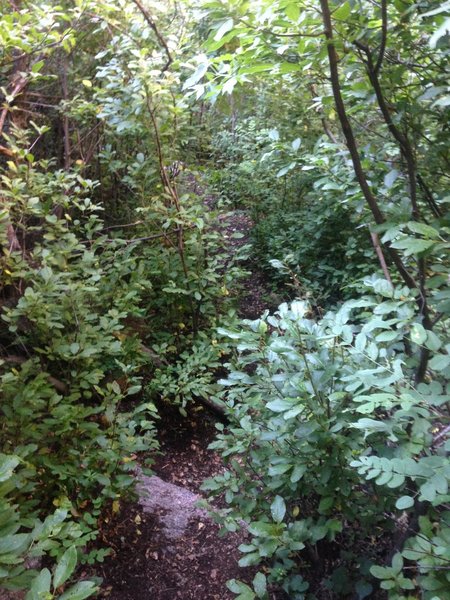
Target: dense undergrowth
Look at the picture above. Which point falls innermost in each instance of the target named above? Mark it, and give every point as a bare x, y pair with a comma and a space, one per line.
118, 286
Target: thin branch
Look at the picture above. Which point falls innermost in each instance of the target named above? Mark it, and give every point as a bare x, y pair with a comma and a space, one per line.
329, 133
155, 30
351, 142
379, 251
384, 28
428, 194
65, 119
402, 139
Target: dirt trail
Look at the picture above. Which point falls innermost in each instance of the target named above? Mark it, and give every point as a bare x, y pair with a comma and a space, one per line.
164, 546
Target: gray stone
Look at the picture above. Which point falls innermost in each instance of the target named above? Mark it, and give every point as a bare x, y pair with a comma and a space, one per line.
176, 505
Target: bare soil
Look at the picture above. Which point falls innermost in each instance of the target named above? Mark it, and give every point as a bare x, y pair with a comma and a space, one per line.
155, 557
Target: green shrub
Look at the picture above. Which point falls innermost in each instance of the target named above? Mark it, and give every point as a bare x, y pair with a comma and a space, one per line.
68, 368
330, 443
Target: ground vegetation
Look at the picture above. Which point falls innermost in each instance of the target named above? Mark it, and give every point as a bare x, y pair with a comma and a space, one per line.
161, 161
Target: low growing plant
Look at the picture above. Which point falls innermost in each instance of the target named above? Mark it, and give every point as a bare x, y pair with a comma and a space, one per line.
333, 452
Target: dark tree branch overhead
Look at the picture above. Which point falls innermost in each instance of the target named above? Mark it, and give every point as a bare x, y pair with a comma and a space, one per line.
156, 31
351, 142
401, 138
406, 150
384, 28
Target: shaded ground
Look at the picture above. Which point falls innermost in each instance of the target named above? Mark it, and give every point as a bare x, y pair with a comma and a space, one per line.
163, 546
254, 295
174, 550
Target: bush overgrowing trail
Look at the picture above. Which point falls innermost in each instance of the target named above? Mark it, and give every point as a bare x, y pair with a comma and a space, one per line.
170, 548
164, 545
224, 223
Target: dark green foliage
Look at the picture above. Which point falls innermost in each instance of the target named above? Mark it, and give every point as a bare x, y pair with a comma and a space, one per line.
303, 234
317, 409
64, 412
315, 247
115, 271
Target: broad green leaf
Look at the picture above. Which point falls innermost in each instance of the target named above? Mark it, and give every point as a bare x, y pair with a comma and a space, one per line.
433, 342
7, 465
325, 504
298, 472
390, 178
229, 85
404, 502
387, 336
418, 333
384, 478
397, 562
396, 481
423, 229
212, 45
223, 29
278, 509
412, 245
40, 586
427, 492
37, 66
250, 559
81, 590
244, 591
292, 11
287, 67
65, 566
380, 572
342, 12
440, 33
286, 169
279, 405
439, 362
278, 469
262, 529
407, 584
255, 68
14, 543
260, 584
198, 74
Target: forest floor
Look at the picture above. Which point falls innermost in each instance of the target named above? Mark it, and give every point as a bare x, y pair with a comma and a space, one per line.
163, 546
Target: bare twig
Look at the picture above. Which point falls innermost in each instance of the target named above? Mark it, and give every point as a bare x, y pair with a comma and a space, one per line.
65, 120
379, 251
155, 30
384, 28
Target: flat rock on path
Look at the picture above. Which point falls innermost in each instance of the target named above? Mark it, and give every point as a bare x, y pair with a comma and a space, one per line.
164, 546
178, 504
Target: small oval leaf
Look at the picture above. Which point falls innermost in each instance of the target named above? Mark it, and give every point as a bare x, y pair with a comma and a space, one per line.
66, 566
278, 509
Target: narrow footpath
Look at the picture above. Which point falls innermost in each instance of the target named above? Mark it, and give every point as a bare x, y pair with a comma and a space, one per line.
163, 546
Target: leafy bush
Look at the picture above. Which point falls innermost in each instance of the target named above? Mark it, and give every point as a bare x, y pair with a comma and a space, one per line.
68, 366
298, 202
25, 540
238, 175
330, 442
